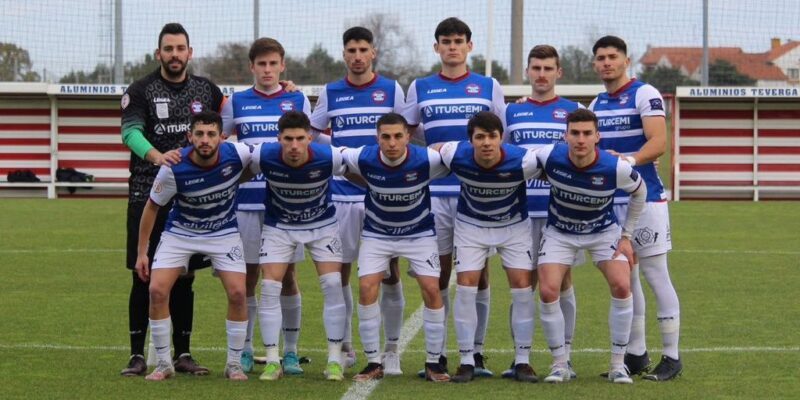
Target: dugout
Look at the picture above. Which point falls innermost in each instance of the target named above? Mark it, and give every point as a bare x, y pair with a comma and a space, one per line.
44, 127
736, 143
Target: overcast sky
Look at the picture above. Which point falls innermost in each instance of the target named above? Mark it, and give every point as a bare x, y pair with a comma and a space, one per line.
62, 35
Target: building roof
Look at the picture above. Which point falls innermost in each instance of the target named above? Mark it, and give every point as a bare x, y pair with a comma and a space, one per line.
755, 65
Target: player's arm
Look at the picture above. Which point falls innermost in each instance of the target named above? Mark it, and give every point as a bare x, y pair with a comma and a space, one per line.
319, 119
631, 182
650, 105
228, 125
530, 165
145, 229
342, 162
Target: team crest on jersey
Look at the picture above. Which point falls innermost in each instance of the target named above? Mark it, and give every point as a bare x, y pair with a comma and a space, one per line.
339, 122
598, 180
560, 113
428, 110
379, 96
314, 174
473, 89
656, 104
157, 187
197, 107
623, 98
287, 106
227, 170
411, 176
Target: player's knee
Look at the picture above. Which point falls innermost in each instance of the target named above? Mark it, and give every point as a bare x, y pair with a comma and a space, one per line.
236, 296
549, 292
159, 294
620, 288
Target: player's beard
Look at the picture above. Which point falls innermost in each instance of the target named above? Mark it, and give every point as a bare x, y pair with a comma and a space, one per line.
208, 156
173, 74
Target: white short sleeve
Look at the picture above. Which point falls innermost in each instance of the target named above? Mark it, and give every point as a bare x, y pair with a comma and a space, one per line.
649, 102
530, 165
319, 118
350, 159
164, 187
438, 169
245, 152
255, 159
306, 106
339, 166
447, 152
399, 99
591, 105
410, 110
498, 100
627, 177
542, 154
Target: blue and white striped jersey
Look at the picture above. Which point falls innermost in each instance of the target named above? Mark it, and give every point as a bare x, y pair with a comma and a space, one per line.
352, 112
582, 199
204, 197
444, 106
253, 116
398, 201
619, 117
493, 197
299, 197
533, 125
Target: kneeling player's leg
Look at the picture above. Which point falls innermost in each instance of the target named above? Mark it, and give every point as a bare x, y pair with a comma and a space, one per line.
617, 274
236, 322
161, 282
465, 314
333, 313
291, 308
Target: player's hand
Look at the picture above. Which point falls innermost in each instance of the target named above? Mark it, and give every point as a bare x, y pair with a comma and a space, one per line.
142, 263
625, 248
171, 157
521, 100
613, 153
289, 86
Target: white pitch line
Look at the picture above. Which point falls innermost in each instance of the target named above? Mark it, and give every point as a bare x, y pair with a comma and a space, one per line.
692, 251
404, 343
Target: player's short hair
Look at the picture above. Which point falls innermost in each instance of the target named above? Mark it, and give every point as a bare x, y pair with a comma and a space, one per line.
391, 119
485, 120
610, 41
207, 117
452, 26
173, 28
582, 115
357, 33
263, 46
294, 119
543, 51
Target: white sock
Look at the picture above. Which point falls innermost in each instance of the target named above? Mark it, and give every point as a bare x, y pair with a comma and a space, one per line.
465, 319
433, 322
656, 273
252, 318
570, 310
270, 317
522, 324
482, 305
160, 336
445, 294
237, 331
369, 325
333, 314
620, 316
292, 309
347, 344
392, 305
553, 327
637, 344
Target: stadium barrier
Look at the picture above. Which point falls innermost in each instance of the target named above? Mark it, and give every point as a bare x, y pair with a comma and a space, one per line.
736, 143
44, 127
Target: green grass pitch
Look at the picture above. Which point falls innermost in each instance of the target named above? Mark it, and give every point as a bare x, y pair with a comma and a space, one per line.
64, 293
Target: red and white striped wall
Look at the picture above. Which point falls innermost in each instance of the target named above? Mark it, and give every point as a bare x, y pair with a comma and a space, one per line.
736, 147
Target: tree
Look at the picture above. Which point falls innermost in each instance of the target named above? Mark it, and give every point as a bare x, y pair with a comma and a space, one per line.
397, 53
15, 64
138, 69
666, 79
231, 65
723, 73
577, 66
317, 68
103, 73
477, 63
